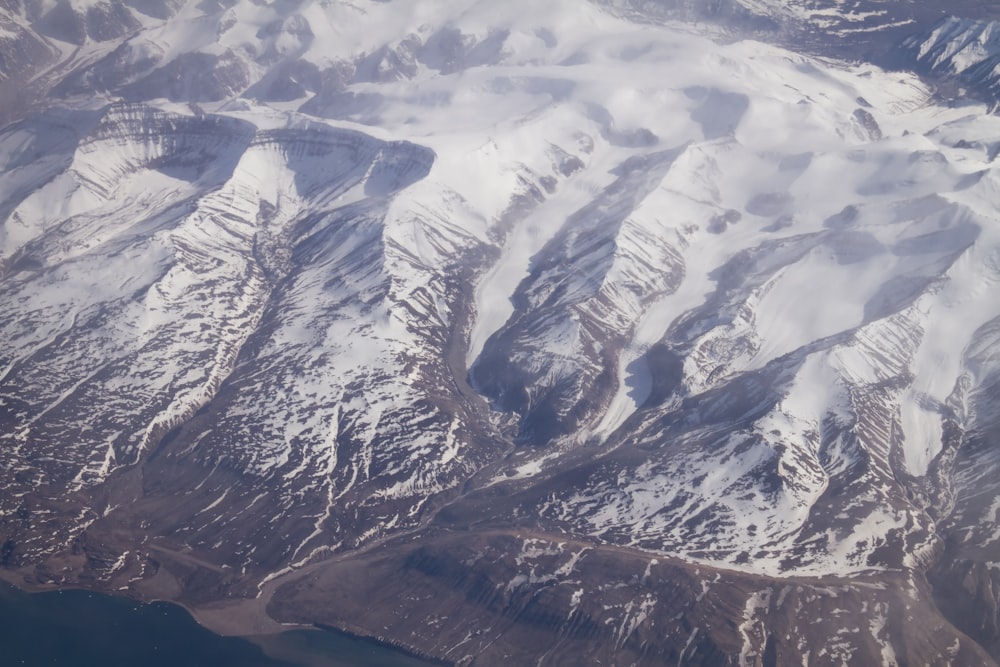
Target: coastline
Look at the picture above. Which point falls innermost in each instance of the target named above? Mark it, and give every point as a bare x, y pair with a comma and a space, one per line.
245, 619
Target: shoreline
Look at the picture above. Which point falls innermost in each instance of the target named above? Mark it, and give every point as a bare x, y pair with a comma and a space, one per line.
242, 618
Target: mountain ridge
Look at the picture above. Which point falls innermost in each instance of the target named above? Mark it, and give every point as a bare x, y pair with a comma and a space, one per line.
300, 301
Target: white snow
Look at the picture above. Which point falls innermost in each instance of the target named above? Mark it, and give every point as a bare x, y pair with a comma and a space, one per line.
516, 144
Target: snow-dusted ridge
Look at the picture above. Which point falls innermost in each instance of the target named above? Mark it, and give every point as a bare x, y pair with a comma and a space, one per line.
966, 49
286, 281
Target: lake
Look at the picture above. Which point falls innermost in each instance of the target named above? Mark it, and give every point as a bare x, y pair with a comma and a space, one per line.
81, 628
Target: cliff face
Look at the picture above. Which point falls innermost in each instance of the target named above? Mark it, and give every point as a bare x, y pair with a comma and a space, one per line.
504, 334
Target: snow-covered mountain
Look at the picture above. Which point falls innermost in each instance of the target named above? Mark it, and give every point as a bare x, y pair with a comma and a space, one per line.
616, 333
964, 50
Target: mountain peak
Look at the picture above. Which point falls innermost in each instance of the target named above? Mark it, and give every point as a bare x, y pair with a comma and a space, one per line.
573, 322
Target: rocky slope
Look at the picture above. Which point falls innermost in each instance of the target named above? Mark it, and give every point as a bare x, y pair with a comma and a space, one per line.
960, 49
619, 337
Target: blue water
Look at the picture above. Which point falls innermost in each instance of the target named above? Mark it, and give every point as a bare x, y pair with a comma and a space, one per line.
84, 629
